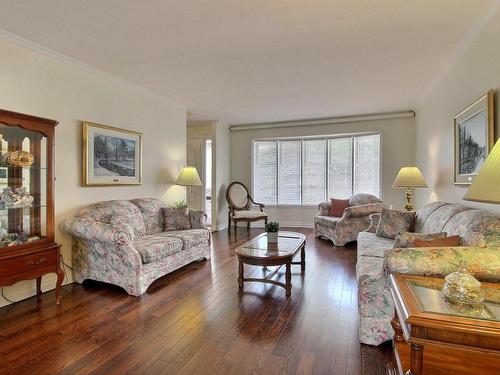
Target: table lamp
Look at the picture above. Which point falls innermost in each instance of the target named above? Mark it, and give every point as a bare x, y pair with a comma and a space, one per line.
409, 177
188, 176
485, 187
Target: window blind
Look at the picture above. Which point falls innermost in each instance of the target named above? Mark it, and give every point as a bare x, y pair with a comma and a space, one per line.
307, 171
265, 172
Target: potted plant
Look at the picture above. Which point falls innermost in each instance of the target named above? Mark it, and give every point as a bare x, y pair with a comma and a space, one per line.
272, 229
182, 205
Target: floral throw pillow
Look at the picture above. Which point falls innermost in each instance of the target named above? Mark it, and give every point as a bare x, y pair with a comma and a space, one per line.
407, 239
393, 222
176, 218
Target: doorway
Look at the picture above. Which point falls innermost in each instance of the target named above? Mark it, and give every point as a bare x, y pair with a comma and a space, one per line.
199, 155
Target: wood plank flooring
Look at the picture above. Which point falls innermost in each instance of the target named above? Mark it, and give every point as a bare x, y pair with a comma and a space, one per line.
194, 321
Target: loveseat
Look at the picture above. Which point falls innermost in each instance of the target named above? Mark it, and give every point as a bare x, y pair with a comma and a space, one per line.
479, 234
125, 243
343, 229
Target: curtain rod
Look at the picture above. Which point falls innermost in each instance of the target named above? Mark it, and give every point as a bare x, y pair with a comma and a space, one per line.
322, 121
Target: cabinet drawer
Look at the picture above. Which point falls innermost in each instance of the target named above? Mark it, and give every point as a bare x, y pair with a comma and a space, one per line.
29, 262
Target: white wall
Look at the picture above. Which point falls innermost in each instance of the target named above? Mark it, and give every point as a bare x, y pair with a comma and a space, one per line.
34, 83
218, 132
223, 170
473, 73
397, 150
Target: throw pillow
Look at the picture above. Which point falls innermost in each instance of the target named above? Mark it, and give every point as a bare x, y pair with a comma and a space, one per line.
407, 239
338, 206
438, 242
176, 219
393, 222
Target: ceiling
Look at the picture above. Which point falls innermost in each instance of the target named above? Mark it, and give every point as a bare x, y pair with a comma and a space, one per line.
259, 60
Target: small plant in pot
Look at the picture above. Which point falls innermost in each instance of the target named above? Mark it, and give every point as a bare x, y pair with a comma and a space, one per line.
272, 229
182, 205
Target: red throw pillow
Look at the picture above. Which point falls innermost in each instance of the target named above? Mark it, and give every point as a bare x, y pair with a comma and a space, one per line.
438, 242
338, 206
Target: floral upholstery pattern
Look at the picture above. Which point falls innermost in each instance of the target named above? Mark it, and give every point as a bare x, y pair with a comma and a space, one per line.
197, 219
116, 233
393, 222
110, 244
483, 263
355, 219
104, 211
151, 210
407, 239
191, 237
155, 247
374, 220
362, 199
377, 258
176, 219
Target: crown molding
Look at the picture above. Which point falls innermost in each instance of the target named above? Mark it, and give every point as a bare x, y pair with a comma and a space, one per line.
323, 121
35, 47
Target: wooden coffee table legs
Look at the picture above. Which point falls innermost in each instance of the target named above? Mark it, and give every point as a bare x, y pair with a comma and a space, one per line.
288, 272
288, 279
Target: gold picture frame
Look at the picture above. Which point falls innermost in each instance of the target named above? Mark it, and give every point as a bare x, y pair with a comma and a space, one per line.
474, 138
111, 156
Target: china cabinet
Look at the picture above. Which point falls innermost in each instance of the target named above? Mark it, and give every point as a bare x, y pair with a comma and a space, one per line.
27, 246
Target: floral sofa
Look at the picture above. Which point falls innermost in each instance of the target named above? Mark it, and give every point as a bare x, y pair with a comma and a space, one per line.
479, 234
124, 243
341, 230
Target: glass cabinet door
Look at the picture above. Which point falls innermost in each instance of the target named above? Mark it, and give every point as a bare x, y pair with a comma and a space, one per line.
23, 186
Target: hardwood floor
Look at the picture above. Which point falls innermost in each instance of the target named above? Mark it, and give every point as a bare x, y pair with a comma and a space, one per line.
195, 321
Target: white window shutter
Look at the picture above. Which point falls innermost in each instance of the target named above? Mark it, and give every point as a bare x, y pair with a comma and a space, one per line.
265, 172
313, 171
289, 172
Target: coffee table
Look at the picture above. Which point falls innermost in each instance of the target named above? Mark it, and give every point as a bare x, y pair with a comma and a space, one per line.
258, 252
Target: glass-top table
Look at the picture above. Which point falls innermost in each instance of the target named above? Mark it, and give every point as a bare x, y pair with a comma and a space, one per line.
259, 252
430, 299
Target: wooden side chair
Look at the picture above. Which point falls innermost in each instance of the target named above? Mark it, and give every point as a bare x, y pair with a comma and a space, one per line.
240, 206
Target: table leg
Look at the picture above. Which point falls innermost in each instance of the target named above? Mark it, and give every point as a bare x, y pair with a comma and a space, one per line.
416, 360
303, 257
38, 287
288, 279
60, 278
240, 272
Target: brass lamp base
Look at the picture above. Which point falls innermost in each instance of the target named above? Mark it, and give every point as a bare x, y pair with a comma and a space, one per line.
408, 205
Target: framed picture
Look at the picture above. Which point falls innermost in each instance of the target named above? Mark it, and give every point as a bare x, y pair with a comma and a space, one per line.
111, 156
474, 138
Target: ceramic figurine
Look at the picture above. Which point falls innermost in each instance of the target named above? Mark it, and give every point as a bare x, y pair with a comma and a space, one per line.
7, 197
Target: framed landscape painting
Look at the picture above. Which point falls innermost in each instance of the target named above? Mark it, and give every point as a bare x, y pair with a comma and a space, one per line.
111, 156
474, 138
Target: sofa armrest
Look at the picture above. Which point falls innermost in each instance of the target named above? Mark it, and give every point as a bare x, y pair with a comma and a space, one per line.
197, 219
117, 233
324, 209
483, 263
363, 210
374, 219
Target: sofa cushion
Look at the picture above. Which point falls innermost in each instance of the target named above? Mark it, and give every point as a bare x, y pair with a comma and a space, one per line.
157, 246
337, 206
151, 210
407, 239
438, 242
176, 219
369, 244
190, 237
438, 219
393, 222
106, 210
327, 221
248, 214
369, 267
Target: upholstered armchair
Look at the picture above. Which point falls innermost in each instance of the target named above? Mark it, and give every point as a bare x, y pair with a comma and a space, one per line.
240, 206
355, 219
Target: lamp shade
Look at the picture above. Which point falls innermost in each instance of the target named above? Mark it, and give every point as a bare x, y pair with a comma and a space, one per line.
486, 185
188, 177
409, 177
